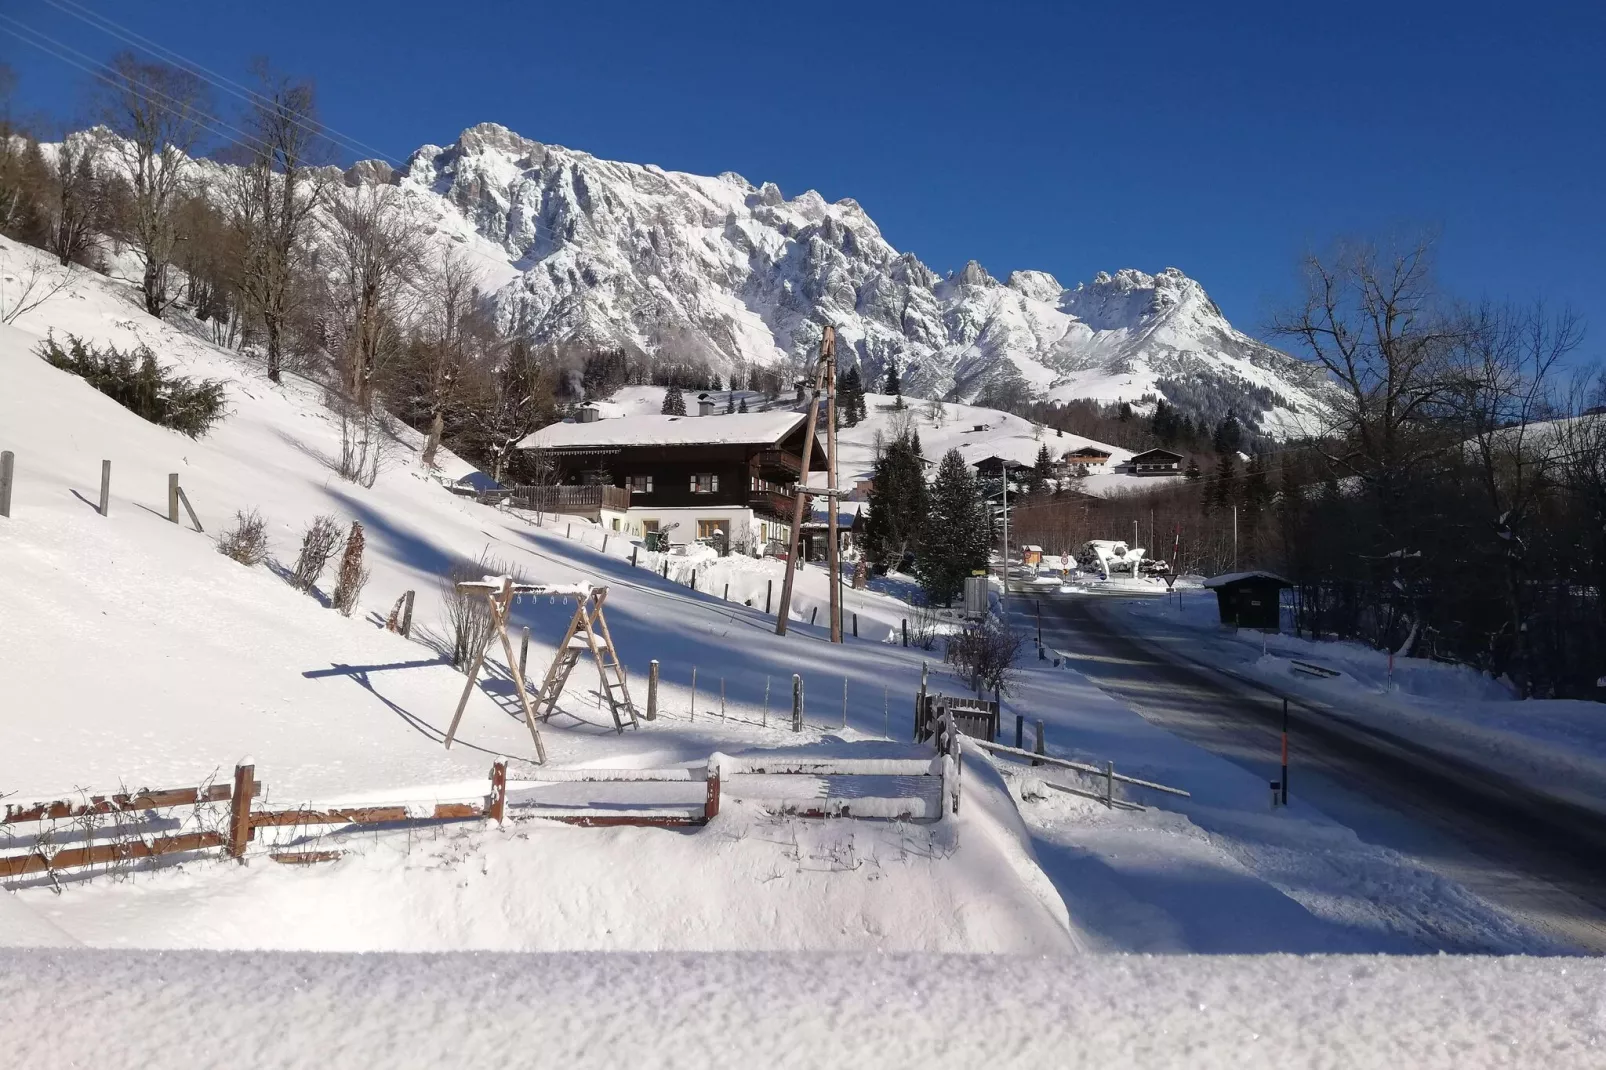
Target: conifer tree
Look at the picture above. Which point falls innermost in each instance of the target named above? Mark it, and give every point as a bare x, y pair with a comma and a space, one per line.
954, 542
897, 506
674, 403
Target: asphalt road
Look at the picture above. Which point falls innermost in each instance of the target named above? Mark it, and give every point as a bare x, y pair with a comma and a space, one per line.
1535, 857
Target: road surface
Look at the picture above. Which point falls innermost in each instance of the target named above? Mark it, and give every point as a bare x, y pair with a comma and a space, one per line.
1538, 859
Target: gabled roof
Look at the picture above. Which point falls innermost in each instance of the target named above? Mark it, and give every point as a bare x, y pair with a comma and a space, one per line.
1155, 455
746, 429
1238, 577
1088, 451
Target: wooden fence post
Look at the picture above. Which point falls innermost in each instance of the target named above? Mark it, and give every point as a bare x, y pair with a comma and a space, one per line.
727, 595
633, 551
905, 623
1109, 785
1039, 748
769, 589
844, 702
172, 497
1020, 731
498, 808
604, 542
814, 614
711, 802
105, 488
694, 692
764, 718
8, 471
797, 703
652, 691
694, 579
855, 626
407, 617
190, 509
240, 809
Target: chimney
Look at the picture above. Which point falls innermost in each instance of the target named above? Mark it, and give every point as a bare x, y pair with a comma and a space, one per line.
705, 405
589, 414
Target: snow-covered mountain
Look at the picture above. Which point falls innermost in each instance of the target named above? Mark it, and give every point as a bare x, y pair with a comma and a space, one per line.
720, 269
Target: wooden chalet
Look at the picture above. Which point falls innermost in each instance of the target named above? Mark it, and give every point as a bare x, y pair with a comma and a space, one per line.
722, 479
1155, 463
1088, 455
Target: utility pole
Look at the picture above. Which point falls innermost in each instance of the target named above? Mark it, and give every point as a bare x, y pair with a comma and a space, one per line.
828, 358
1004, 465
1235, 538
785, 608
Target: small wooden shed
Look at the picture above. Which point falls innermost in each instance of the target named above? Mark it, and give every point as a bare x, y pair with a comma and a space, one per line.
1249, 599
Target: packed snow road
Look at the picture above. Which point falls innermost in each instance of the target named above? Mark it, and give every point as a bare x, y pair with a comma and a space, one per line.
1538, 859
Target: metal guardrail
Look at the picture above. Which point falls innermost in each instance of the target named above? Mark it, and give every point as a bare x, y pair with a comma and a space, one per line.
1108, 772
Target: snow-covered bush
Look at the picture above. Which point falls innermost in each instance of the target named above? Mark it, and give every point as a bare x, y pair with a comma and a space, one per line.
985, 651
136, 382
318, 544
353, 576
247, 541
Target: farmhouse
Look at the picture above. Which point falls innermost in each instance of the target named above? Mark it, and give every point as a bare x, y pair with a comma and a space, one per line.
724, 480
1155, 463
1088, 455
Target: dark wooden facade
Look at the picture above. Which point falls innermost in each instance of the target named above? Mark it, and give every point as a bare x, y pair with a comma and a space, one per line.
756, 475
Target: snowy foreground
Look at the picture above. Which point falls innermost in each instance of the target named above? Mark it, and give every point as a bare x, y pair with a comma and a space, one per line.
150, 660
756, 1010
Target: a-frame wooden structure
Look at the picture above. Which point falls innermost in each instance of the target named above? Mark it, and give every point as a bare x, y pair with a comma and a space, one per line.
588, 631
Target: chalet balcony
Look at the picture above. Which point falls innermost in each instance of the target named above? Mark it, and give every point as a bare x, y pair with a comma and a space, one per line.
777, 505
586, 501
788, 465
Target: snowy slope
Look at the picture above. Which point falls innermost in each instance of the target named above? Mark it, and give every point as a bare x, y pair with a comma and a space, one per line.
147, 659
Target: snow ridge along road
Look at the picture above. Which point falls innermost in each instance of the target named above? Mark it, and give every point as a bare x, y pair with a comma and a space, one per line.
1535, 857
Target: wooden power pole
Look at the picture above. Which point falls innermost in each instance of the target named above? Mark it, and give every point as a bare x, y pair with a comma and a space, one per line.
827, 357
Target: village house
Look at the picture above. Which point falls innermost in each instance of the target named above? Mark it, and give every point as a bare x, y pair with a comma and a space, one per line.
1155, 463
725, 480
1088, 455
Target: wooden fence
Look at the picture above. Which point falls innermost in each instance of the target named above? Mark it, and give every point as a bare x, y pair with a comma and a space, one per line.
223, 817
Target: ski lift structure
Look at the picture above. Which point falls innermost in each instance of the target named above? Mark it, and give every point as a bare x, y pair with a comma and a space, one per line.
587, 633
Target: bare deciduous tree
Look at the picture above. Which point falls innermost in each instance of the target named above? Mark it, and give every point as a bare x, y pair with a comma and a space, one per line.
451, 295
272, 197
376, 250
161, 114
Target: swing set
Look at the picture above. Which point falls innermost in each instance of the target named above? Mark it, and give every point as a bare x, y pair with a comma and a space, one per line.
587, 632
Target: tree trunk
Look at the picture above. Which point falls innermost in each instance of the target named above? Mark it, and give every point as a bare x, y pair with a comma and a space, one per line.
275, 346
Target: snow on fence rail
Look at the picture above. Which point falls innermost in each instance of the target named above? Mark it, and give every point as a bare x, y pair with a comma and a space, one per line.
1108, 773
222, 816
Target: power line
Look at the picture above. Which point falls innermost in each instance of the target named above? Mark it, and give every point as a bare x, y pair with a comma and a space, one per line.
206, 121
206, 74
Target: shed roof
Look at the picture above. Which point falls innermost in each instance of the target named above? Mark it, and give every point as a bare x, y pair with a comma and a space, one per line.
747, 428
1239, 577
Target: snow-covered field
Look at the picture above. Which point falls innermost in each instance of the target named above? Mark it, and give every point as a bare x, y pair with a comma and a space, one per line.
137, 656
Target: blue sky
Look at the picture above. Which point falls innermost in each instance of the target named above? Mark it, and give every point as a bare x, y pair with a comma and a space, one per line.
1225, 139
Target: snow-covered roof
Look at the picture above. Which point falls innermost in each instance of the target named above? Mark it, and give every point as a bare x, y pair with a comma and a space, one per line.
1234, 577
757, 428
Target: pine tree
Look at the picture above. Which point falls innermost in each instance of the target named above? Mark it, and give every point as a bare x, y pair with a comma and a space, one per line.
1192, 475
674, 403
850, 396
897, 506
954, 542
1257, 491
1125, 414
894, 385
1222, 494
1229, 436
730, 403
1041, 469
741, 406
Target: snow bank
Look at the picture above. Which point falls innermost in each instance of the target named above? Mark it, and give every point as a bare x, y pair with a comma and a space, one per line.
790, 1011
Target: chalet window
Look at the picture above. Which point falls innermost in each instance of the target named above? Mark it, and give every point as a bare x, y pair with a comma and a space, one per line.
641, 484
704, 483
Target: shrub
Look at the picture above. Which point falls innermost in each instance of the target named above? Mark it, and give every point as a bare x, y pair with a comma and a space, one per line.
468, 616
985, 651
318, 544
136, 382
247, 540
353, 576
